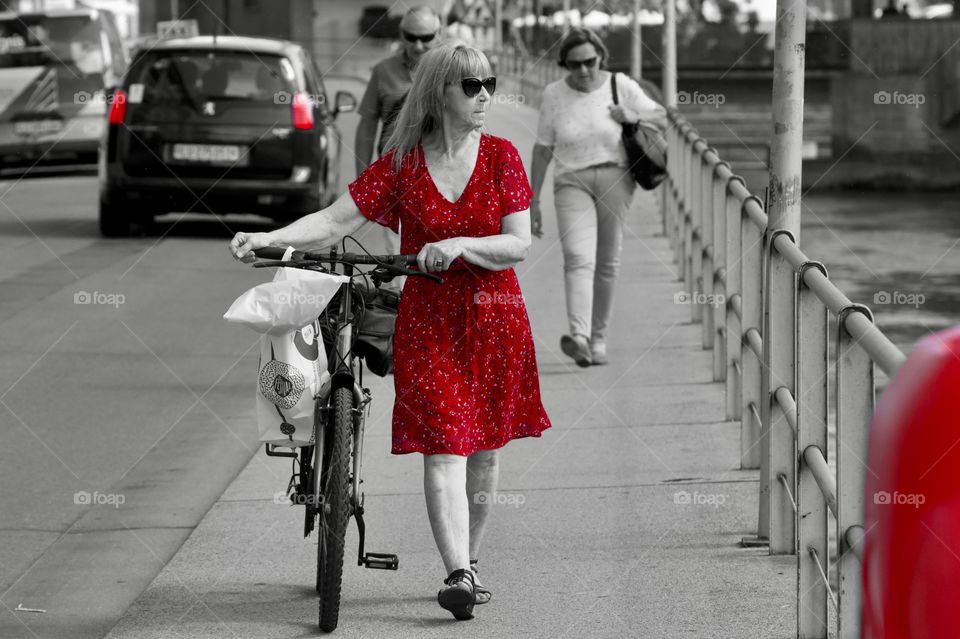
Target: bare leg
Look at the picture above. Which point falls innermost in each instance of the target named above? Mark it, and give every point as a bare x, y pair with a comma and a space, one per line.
444, 478
483, 470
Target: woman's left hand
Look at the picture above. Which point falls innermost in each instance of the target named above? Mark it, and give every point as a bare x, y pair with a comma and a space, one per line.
623, 115
438, 256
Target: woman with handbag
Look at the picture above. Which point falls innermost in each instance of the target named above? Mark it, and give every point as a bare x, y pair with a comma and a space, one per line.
465, 367
581, 127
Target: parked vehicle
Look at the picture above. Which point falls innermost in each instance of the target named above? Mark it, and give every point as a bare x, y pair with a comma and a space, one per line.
55, 68
219, 125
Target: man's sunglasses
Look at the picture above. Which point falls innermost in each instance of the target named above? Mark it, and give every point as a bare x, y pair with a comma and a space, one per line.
471, 86
410, 37
573, 65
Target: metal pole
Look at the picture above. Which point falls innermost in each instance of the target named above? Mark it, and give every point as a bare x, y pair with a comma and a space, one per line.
670, 53
779, 328
174, 10
635, 58
786, 161
498, 25
566, 16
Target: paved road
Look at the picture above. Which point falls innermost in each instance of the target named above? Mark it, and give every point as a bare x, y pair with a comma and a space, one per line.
143, 393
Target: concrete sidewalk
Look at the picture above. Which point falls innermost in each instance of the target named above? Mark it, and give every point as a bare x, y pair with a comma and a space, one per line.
589, 538
623, 520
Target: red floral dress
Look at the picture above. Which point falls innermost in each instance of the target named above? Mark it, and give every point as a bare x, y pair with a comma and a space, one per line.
465, 368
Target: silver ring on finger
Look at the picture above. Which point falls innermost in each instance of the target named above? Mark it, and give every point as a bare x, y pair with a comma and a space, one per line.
438, 263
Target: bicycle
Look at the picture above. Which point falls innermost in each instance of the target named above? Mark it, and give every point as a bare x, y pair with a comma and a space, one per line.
326, 475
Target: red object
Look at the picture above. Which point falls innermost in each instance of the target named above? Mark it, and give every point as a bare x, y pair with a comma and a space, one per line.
118, 107
465, 368
302, 111
911, 568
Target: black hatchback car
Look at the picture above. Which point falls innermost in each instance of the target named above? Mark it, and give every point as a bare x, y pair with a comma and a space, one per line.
219, 125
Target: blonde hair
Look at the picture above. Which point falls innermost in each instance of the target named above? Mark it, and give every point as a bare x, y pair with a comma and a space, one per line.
422, 111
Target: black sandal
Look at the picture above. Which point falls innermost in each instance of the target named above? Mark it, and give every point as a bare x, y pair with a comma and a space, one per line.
483, 595
455, 597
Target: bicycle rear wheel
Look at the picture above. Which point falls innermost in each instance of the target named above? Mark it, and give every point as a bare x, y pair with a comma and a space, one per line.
335, 512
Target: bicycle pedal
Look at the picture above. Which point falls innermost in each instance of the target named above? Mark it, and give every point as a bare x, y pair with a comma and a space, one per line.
381, 561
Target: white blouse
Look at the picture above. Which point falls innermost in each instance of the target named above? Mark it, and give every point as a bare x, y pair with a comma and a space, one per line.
579, 127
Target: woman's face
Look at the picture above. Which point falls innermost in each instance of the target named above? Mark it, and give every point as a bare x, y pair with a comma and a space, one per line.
583, 62
464, 110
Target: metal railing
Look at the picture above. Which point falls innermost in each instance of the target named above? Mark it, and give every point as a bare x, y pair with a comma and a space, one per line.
770, 342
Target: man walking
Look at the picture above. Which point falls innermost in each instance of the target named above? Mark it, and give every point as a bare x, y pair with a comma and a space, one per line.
389, 83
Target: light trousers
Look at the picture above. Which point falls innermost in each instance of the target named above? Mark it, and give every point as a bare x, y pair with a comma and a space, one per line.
591, 205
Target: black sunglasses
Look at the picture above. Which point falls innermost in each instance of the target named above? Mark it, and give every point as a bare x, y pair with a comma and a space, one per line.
410, 37
471, 86
573, 65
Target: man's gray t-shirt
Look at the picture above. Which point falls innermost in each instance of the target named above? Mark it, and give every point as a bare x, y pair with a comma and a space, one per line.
389, 83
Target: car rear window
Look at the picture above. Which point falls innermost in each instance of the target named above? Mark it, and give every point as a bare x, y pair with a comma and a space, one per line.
194, 76
38, 40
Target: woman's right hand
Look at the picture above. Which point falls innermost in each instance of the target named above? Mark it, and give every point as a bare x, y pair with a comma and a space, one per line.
243, 244
536, 219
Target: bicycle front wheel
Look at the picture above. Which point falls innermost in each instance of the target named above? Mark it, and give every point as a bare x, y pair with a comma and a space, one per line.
335, 512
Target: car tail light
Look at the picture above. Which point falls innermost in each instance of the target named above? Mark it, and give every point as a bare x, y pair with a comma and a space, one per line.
118, 107
302, 113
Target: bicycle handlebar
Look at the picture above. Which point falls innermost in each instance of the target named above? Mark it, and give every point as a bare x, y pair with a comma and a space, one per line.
274, 253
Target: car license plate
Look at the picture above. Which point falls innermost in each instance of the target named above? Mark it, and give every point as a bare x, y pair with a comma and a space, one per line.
37, 127
209, 153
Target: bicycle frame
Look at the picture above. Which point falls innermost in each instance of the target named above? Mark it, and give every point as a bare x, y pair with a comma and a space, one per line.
342, 376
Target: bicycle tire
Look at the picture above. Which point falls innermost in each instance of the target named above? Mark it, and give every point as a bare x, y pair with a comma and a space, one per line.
336, 511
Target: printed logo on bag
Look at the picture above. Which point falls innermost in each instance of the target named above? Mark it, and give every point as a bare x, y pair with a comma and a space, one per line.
306, 342
282, 384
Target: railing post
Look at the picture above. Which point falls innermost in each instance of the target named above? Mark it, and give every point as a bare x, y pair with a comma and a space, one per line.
688, 156
751, 292
779, 355
696, 246
718, 303
706, 256
812, 415
733, 262
855, 404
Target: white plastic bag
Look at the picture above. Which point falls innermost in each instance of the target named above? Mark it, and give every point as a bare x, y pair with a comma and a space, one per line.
292, 369
293, 362
293, 299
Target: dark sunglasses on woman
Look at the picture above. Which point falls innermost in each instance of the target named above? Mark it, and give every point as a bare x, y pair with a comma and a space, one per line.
573, 65
410, 37
471, 86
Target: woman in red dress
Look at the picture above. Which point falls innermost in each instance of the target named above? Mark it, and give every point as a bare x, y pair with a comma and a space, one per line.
466, 373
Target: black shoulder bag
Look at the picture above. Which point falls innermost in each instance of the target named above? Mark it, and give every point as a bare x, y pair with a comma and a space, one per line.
646, 149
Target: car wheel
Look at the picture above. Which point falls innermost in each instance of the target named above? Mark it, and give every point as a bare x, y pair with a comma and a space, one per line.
113, 222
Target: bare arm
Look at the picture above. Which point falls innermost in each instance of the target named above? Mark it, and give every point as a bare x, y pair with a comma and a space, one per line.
317, 230
366, 135
494, 253
542, 155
